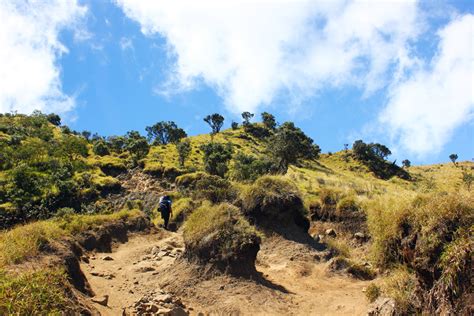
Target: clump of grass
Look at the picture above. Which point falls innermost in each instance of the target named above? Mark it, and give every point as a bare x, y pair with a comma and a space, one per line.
346, 206
400, 285
77, 223
203, 186
183, 208
339, 247
26, 241
220, 234
34, 293
275, 199
372, 292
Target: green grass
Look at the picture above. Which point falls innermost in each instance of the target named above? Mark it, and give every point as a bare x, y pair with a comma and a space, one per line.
26, 241
220, 227
44, 292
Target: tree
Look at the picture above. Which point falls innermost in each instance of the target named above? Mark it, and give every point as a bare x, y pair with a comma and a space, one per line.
163, 133
406, 163
117, 143
54, 119
184, 150
247, 167
216, 156
215, 121
136, 145
453, 158
247, 116
100, 148
234, 125
86, 135
373, 155
289, 144
268, 120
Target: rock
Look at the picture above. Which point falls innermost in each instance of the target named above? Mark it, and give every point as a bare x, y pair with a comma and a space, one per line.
152, 309
360, 236
337, 264
103, 300
163, 253
107, 258
383, 306
145, 269
316, 238
164, 298
331, 232
178, 311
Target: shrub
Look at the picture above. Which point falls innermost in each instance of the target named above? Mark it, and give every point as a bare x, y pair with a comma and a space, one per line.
221, 236
427, 235
274, 199
372, 292
100, 148
184, 150
207, 187
214, 189
216, 156
248, 167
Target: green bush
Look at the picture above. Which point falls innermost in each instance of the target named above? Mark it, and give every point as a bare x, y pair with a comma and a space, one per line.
203, 186
247, 167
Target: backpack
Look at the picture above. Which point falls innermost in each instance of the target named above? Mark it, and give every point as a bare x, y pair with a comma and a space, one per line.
164, 205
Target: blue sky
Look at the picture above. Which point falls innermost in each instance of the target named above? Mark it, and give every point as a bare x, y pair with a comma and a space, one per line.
380, 71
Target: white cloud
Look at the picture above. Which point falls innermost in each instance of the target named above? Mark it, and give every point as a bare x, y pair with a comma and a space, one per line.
29, 50
252, 51
424, 109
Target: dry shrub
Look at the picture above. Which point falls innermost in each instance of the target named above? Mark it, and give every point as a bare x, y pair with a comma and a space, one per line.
274, 199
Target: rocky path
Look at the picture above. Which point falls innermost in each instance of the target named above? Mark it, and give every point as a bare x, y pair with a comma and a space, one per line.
137, 274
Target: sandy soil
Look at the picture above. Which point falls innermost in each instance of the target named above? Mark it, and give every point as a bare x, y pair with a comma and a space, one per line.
293, 280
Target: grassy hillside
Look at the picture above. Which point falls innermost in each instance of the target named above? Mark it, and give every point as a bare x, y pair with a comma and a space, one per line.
417, 221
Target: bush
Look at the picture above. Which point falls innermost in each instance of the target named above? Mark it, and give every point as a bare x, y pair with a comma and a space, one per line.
274, 199
216, 156
100, 148
248, 167
372, 292
221, 236
207, 187
426, 235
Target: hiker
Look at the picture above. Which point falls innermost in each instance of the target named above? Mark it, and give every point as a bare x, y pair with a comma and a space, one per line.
165, 209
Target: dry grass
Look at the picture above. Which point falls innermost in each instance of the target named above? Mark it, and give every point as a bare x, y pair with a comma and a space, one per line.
44, 292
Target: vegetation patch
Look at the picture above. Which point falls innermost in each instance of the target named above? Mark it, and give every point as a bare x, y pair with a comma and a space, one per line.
36, 293
221, 236
274, 199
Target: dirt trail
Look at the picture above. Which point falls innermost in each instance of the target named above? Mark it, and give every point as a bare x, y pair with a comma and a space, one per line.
293, 281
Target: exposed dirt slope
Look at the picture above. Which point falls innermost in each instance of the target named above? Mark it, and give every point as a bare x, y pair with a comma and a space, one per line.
292, 281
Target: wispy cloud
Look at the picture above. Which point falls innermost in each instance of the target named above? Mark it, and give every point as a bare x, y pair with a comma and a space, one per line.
424, 109
126, 43
29, 52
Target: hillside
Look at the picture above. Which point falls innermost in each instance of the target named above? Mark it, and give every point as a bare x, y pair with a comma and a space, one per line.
338, 233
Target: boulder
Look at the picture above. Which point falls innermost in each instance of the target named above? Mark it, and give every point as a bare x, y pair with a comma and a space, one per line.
383, 306
102, 300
